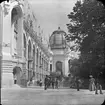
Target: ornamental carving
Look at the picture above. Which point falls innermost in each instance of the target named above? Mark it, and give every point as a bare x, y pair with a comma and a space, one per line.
6, 8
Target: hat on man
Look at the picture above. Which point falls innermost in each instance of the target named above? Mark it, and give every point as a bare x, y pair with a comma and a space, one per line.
90, 76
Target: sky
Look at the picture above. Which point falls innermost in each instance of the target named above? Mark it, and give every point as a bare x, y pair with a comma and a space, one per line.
52, 13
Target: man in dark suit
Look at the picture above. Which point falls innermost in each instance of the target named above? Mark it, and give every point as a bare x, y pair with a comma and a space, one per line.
46, 82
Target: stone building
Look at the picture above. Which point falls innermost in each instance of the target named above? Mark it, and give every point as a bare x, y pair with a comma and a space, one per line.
60, 50
24, 55
1, 26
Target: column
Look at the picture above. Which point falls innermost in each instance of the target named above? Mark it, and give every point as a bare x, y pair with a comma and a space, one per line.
38, 66
37, 63
1, 29
66, 72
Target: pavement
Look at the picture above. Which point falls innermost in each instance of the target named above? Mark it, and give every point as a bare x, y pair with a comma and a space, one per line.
39, 96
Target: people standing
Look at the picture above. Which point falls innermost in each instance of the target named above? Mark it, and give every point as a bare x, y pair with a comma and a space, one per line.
98, 87
53, 82
92, 83
40, 82
15, 79
46, 82
56, 83
49, 82
78, 83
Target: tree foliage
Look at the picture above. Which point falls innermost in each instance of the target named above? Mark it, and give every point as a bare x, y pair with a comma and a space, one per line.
87, 29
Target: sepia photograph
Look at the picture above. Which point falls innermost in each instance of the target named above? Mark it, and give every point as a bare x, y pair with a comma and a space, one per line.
52, 52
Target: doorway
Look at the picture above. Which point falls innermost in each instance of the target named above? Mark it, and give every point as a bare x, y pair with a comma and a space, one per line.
17, 75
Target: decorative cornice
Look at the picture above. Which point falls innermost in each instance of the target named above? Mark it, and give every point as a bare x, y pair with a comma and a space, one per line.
6, 8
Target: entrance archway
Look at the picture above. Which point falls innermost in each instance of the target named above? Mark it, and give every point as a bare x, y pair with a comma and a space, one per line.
59, 67
17, 74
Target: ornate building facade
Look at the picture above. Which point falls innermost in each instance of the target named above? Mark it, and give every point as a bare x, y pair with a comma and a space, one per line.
1, 34
60, 50
24, 55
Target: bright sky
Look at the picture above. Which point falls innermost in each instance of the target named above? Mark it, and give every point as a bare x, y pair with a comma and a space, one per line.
52, 13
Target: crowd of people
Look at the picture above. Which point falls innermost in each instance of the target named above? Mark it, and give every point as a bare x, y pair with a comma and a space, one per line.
50, 82
95, 85
53, 82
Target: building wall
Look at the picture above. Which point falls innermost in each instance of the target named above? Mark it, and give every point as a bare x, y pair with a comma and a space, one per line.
14, 50
59, 55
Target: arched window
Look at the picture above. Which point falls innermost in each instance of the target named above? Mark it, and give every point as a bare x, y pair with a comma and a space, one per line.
29, 50
24, 44
50, 67
37, 57
59, 67
33, 57
16, 24
40, 59
29, 60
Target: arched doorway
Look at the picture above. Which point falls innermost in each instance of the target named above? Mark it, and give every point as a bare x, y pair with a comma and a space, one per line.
17, 74
59, 67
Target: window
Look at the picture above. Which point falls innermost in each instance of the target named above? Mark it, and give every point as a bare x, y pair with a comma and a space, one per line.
37, 57
24, 38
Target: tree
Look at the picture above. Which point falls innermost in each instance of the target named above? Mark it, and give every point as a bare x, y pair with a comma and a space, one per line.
87, 28
75, 65
3, 0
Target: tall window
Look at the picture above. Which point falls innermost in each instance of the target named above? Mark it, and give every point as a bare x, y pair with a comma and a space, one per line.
58, 39
33, 57
24, 38
29, 50
15, 35
50, 67
47, 66
40, 58
16, 23
59, 66
37, 57
42, 62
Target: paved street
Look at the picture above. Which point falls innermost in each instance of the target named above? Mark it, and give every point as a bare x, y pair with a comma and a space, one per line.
33, 96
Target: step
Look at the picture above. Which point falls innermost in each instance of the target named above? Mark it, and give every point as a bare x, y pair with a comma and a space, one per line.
15, 86
36, 87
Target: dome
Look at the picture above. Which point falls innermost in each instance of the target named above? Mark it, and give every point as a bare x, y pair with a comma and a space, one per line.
57, 39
